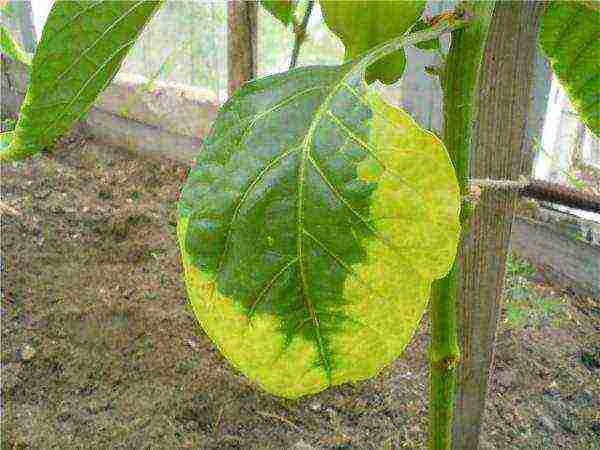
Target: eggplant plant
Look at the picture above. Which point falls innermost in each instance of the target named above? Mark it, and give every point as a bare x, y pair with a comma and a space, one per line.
317, 217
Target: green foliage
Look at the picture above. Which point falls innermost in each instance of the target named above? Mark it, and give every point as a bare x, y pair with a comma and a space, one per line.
519, 267
11, 48
282, 10
315, 221
569, 37
312, 228
7, 8
525, 304
362, 24
526, 307
71, 67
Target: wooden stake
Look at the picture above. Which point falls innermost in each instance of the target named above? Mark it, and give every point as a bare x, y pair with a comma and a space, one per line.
499, 140
241, 42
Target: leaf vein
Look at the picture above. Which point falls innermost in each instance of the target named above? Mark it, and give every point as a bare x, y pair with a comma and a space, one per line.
251, 120
285, 101
300, 225
381, 336
267, 287
65, 25
350, 208
397, 250
346, 267
82, 89
244, 196
104, 34
371, 151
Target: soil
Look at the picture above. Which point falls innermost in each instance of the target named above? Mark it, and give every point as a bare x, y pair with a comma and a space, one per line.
100, 349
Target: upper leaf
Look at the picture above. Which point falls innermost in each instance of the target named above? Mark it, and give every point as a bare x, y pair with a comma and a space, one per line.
312, 227
282, 10
363, 24
81, 50
569, 36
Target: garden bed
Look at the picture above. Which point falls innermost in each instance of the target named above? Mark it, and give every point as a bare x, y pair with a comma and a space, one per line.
101, 350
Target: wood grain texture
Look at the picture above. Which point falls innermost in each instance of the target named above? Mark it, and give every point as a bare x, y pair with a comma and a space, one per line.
499, 140
242, 17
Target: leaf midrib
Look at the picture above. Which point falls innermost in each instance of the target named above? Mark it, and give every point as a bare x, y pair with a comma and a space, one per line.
353, 67
323, 108
321, 112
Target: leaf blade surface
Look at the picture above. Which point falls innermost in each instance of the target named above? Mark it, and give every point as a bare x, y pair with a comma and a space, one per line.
363, 24
282, 10
569, 36
5, 139
312, 228
80, 52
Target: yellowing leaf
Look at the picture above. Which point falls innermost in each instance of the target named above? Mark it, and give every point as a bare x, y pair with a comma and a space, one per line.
312, 228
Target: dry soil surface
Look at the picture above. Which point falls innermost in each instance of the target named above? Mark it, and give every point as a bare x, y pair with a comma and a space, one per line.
101, 351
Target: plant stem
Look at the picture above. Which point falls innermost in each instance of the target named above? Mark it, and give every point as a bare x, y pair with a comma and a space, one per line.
458, 81
300, 34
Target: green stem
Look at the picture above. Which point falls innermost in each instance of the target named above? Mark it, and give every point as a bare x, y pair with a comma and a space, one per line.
459, 80
300, 34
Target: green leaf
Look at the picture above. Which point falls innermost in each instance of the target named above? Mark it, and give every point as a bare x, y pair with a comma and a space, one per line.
433, 44
312, 227
363, 24
82, 47
569, 36
282, 10
9, 47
